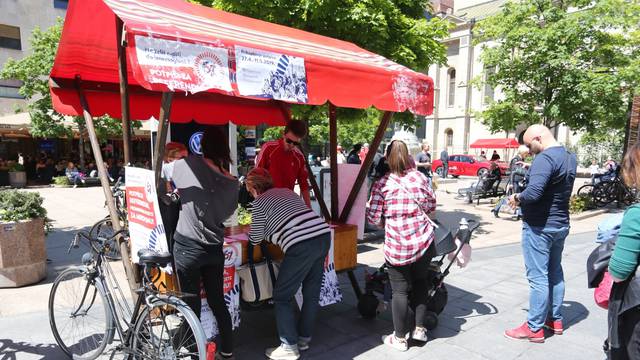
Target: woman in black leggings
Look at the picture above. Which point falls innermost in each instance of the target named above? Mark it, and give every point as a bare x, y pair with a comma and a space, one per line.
208, 196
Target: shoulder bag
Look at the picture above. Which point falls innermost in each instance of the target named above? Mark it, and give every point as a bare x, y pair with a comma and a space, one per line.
257, 279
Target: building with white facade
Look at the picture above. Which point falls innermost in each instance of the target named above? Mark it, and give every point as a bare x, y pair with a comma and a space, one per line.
454, 124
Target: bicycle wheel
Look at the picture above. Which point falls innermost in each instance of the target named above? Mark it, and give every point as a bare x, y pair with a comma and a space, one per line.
79, 315
603, 193
104, 228
585, 190
168, 331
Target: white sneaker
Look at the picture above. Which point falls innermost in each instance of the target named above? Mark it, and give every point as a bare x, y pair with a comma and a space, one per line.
419, 334
396, 343
283, 353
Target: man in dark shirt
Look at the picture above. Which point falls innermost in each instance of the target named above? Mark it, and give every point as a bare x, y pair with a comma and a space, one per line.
444, 157
423, 160
545, 211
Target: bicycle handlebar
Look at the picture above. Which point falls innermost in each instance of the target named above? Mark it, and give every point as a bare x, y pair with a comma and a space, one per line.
100, 239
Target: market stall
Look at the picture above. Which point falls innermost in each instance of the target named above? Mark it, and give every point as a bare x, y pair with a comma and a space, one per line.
181, 62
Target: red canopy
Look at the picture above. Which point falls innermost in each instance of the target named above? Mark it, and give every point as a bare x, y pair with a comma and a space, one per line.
508, 143
240, 69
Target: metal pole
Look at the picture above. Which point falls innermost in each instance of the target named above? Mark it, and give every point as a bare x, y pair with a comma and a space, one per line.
108, 195
364, 168
333, 159
467, 105
161, 138
124, 92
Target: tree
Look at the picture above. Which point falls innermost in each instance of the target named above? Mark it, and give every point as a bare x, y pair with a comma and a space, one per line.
571, 62
396, 29
33, 70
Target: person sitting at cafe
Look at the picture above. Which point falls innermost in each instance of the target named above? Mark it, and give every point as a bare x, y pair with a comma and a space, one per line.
279, 216
285, 161
73, 174
208, 197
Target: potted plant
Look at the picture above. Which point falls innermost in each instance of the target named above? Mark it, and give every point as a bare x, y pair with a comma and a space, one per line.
17, 175
61, 181
23, 223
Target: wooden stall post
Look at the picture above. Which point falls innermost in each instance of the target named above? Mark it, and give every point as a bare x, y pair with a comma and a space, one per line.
333, 159
161, 139
104, 181
124, 91
316, 189
364, 168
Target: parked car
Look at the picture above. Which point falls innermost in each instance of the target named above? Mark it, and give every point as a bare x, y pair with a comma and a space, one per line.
469, 165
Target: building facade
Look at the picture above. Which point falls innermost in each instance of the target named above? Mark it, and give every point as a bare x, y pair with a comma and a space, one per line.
454, 124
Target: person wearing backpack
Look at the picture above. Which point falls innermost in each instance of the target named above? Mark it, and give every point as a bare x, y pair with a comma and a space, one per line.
624, 301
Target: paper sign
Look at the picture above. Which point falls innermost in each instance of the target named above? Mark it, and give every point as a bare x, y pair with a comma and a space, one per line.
183, 66
270, 75
146, 229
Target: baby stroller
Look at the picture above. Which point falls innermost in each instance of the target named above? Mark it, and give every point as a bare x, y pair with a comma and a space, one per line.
378, 282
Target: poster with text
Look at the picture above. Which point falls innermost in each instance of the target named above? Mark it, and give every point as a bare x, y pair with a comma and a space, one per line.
270, 75
183, 66
146, 230
231, 289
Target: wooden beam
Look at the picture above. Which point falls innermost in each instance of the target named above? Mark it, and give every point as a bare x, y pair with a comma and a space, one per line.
316, 189
333, 159
364, 168
161, 137
130, 272
124, 92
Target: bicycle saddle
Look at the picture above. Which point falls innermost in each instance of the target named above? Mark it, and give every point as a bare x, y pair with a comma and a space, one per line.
148, 256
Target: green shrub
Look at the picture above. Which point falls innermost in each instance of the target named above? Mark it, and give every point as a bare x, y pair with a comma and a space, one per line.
580, 203
15, 167
21, 205
61, 180
244, 216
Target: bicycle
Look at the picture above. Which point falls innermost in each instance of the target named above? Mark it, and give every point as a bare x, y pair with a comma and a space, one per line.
104, 227
607, 191
87, 308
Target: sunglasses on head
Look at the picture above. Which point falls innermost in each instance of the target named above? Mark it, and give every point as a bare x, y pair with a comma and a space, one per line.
289, 141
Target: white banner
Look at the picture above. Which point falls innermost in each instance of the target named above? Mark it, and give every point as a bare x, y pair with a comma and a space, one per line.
231, 288
146, 229
270, 75
183, 66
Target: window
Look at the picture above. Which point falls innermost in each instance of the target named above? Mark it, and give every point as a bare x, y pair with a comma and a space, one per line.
9, 89
451, 96
453, 48
10, 37
60, 4
488, 89
448, 137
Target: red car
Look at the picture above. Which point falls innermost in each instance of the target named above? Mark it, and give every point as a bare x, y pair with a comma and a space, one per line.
469, 165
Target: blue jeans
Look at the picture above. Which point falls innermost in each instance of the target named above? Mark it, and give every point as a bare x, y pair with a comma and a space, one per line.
303, 264
542, 250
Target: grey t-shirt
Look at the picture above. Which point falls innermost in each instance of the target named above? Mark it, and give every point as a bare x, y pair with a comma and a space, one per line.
424, 158
207, 198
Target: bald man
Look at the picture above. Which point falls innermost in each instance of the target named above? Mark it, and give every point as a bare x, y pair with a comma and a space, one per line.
545, 211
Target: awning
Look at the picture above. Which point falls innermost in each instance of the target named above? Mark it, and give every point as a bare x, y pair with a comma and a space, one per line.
239, 69
508, 143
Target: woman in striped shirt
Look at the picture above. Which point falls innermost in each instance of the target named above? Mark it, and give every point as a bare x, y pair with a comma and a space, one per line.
281, 217
400, 202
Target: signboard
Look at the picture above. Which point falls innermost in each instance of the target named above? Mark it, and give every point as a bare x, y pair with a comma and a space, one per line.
183, 66
231, 289
146, 230
270, 75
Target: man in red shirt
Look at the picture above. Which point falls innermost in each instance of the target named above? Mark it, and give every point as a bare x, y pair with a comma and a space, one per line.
284, 160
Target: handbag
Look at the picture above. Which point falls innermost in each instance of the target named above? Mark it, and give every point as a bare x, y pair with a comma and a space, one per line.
257, 279
443, 239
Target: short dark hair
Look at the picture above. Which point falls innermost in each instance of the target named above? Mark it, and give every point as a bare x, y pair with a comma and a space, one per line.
297, 127
215, 146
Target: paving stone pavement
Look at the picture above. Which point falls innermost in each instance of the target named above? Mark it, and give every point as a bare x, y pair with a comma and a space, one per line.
487, 297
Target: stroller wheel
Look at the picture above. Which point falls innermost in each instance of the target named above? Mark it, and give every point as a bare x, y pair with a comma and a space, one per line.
368, 305
439, 300
430, 320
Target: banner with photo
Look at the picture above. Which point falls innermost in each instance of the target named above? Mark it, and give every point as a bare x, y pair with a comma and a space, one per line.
181, 65
146, 230
270, 75
231, 288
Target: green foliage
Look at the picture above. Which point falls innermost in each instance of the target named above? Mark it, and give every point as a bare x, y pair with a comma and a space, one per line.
570, 62
395, 29
16, 167
33, 70
61, 180
580, 203
244, 216
21, 205
600, 145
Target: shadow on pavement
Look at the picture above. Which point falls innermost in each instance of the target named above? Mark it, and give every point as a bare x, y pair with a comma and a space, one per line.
573, 312
9, 350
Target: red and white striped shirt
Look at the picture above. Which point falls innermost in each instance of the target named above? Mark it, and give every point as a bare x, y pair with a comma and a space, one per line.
408, 232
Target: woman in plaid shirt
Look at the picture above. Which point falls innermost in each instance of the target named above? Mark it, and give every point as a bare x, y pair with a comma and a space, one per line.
400, 201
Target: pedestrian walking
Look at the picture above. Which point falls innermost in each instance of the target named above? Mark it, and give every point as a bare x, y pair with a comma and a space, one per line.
545, 211
400, 202
444, 157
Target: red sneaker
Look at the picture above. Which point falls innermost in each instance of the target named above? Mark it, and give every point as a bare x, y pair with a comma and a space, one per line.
523, 332
555, 326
